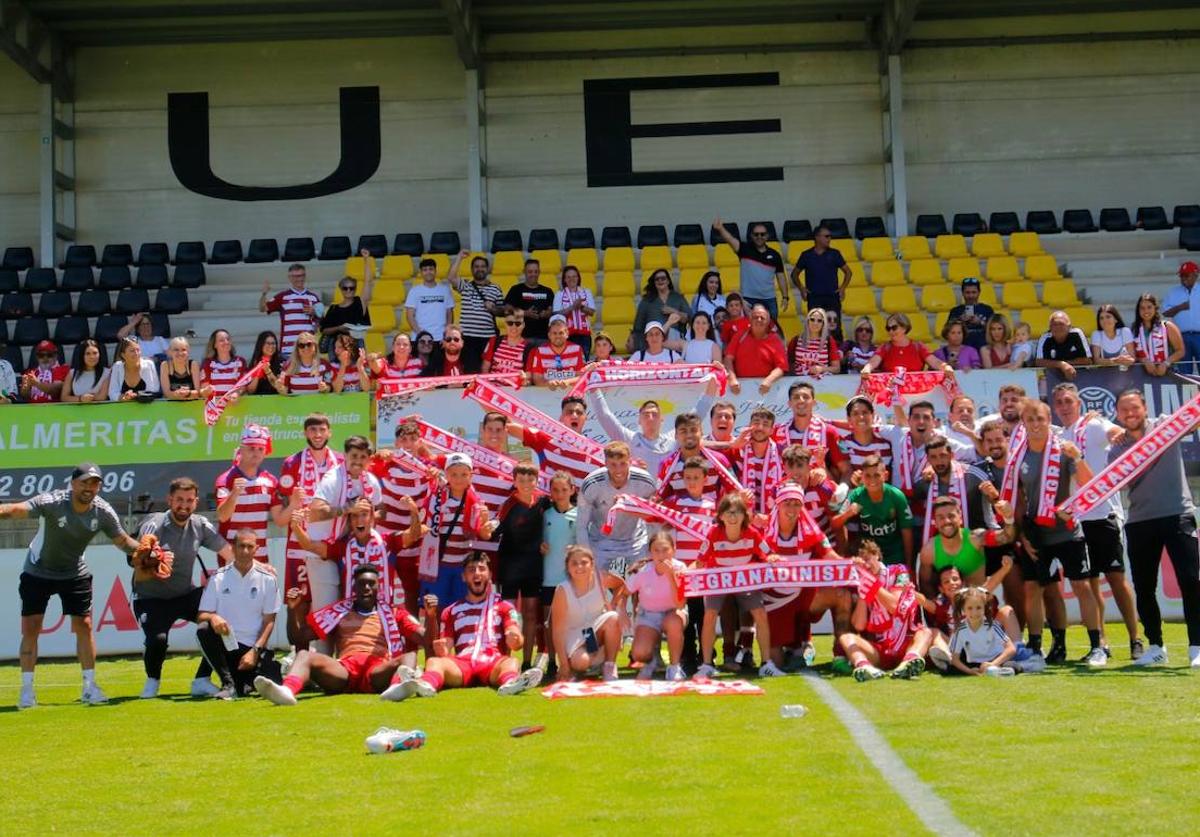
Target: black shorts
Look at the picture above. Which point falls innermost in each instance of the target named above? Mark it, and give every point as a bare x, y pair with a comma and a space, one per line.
1070, 556
527, 588
548, 599
992, 556
1040, 570
75, 593
1105, 546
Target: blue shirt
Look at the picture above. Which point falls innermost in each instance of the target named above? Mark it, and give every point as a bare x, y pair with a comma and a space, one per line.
558, 532
759, 271
1189, 318
820, 270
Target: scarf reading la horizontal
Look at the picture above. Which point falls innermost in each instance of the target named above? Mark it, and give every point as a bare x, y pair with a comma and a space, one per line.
649, 374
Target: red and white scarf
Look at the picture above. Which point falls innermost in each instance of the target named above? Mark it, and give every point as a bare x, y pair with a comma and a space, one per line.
808, 353
481, 457
808, 533
696, 527
889, 388
908, 465
374, 551
311, 473
770, 474
577, 321
405, 386
345, 492
958, 490
493, 399
1050, 476
786, 575
480, 646
324, 621
814, 436
609, 374
1153, 345
214, 407
430, 557
1012, 465
891, 629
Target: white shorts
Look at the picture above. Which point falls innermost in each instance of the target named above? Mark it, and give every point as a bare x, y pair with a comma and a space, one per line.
653, 619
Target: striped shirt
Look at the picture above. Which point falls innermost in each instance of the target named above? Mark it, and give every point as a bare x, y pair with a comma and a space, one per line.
253, 507
396, 483
307, 379
789, 548
473, 318
351, 381
816, 501
462, 619
819, 433
556, 365
553, 458
857, 451
577, 321
221, 376
378, 550
687, 548
411, 369
505, 356
670, 478
460, 540
719, 551
292, 320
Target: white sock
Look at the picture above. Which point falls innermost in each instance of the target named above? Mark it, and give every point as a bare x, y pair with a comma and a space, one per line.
27, 680
89, 677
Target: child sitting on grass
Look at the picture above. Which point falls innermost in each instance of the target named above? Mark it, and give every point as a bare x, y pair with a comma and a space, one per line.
979, 646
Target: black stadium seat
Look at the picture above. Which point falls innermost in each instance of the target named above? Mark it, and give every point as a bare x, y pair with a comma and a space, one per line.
506, 241
579, 238
731, 227
70, 330
968, 224
445, 242
17, 258
652, 235
870, 226
191, 252
262, 251
543, 239
132, 301
838, 228
335, 248
153, 252
189, 276
1078, 221
151, 277
162, 324
54, 305
227, 251
770, 225
797, 230
931, 226
77, 279
1187, 215
107, 327
1115, 219
1042, 222
375, 244
1152, 218
408, 244
4, 332
16, 304
38, 280
80, 255
29, 331
1189, 238
16, 357
299, 250
9, 281
114, 278
93, 303
117, 255
1004, 223
688, 234
172, 300
615, 237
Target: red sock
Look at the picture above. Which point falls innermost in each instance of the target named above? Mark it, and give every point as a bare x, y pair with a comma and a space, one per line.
506, 677
909, 656
434, 679
293, 684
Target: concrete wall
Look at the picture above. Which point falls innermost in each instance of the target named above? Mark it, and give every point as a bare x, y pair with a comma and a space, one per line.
20, 153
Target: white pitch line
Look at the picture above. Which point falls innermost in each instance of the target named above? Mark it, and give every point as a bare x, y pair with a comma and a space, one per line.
930, 808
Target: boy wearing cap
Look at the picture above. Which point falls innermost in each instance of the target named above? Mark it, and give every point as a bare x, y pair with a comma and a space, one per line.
973, 314
456, 518
557, 360
247, 496
43, 383
654, 350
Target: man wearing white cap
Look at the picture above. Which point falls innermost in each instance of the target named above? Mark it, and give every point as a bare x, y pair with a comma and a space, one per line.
456, 518
247, 496
653, 348
557, 360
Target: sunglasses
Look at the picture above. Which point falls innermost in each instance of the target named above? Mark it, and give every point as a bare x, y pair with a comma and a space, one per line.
816, 319
895, 327
864, 328
514, 322
306, 345
45, 354
452, 340
349, 288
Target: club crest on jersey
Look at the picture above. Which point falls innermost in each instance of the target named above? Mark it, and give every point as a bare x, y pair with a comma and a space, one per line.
62, 522
94, 524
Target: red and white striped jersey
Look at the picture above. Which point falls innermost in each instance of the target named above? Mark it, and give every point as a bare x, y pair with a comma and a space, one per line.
556, 366
858, 451
351, 381
687, 547
292, 320
816, 502
719, 551
221, 376
552, 458
670, 478
398, 482
462, 619
411, 369
302, 470
253, 508
460, 540
307, 379
504, 356
577, 321
789, 548
378, 550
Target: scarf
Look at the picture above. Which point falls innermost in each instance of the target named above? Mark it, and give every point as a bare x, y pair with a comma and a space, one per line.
311, 473
214, 407
345, 484
483, 628
814, 436
433, 544
887, 389
1153, 346
491, 398
808, 533
1051, 474
695, 527
770, 475
1012, 465
908, 466
717, 581
958, 490
323, 622
891, 629
374, 551
577, 321
406, 386
649, 374
481, 457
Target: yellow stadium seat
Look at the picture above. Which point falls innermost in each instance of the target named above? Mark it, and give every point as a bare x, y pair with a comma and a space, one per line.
618, 310
1059, 293
689, 280
375, 343
383, 318
692, 255
401, 267
858, 274
550, 261
508, 261
1003, 269
584, 258
939, 321
795, 248
885, 273
654, 257
987, 294
777, 247
354, 267
619, 283
925, 272
938, 298
389, 292
724, 256
1024, 244
618, 258
1038, 319
950, 247
443, 263
845, 246
1082, 317
859, 301
1020, 295
464, 267
878, 250
619, 332
960, 268
920, 329
986, 245
899, 298
1041, 269
879, 323
731, 279
914, 247
588, 280
505, 282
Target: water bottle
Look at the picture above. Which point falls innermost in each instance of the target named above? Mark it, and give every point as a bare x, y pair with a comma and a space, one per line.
1001, 671
793, 710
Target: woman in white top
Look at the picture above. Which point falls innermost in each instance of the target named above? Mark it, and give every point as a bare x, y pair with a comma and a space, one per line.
577, 304
709, 297
85, 381
701, 348
142, 327
656, 350
132, 375
1112, 342
586, 627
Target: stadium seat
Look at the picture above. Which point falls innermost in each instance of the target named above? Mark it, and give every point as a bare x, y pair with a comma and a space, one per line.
914, 247
587, 279
54, 305
859, 301
383, 318
375, 244
374, 343
615, 237
299, 250
858, 274
543, 239
191, 252
925, 272
507, 240
1152, 218
985, 245
9, 281
654, 235
399, 267
93, 303
335, 248
1115, 219
504, 281
1042, 221
69, 330
356, 268
797, 230
619, 283
692, 256
1038, 319
938, 298
171, 300
617, 309
950, 247
262, 251
151, 277
688, 235
1024, 244
653, 257
227, 251
987, 294
724, 256
76, 279
846, 247
1020, 295
38, 280
1002, 269
838, 228
114, 278
870, 226
1059, 293
17, 258
878, 249
550, 261
14, 356
731, 278
962, 268
968, 224
509, 262
132, 301
920, 328
116, 255
408, 244
389, 292
446, 242
153, 252
899, 298
1189, 238
107, 326
443, 263
80, 255
29, 331
618, 258
931, 226
579, 238
885, 273
584, 258
731, 227
1186, 215
689, 280
188, 276
1004, 223
1078, 221
1041, 268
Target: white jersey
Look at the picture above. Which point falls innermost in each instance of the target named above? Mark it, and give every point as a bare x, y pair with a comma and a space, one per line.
981, 646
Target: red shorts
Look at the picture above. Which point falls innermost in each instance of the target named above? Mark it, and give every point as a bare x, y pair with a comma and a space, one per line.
791, 624
295, 572
476, 672
359, 667
890, 658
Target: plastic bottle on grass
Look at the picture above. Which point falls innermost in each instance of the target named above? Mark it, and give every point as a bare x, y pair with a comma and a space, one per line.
793, 710
388, 740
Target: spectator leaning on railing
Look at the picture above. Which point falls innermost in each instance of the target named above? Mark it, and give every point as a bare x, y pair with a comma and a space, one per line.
1062, 347
1182, 304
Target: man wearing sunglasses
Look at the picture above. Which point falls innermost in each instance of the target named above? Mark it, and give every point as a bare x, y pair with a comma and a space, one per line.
761, 268
820, 265
430, 305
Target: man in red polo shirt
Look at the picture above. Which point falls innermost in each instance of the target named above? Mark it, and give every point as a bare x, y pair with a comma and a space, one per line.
756, 353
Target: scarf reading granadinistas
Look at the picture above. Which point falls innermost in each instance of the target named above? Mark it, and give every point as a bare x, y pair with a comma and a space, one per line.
324, 621
492, 398
786, 575
1153, 345
958, 490
649, 374
214, 407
